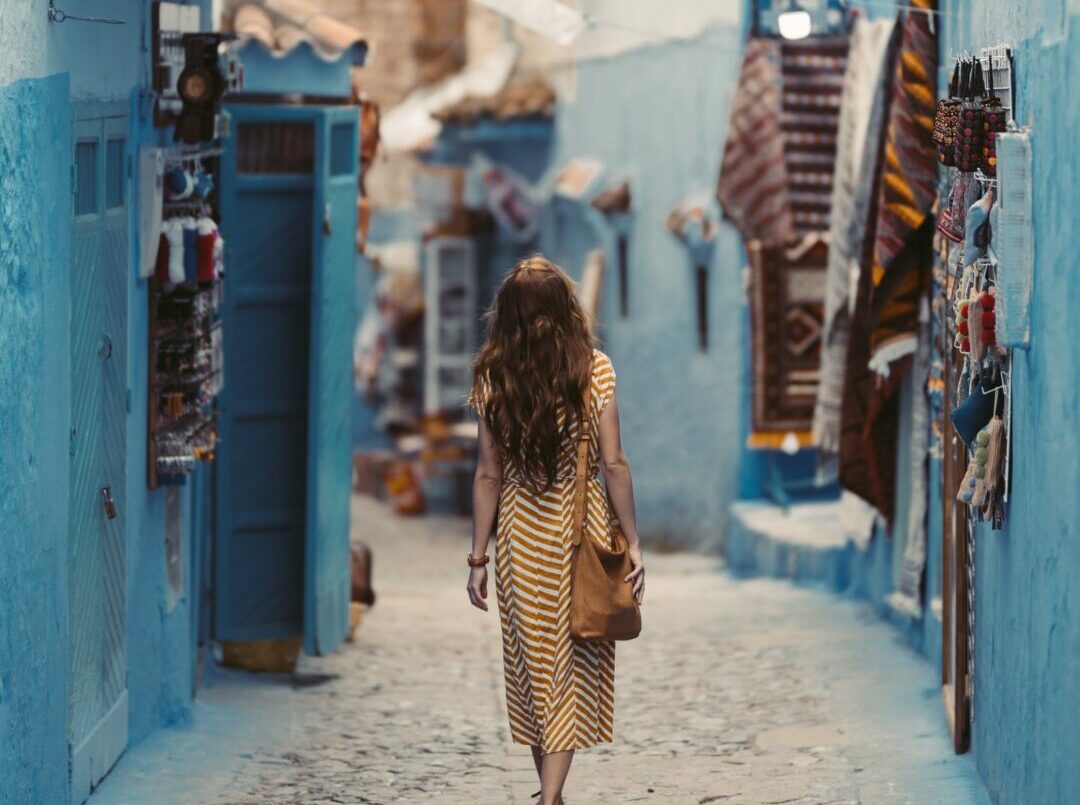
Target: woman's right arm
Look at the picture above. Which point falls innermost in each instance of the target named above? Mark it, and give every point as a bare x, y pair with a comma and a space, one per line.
620, 488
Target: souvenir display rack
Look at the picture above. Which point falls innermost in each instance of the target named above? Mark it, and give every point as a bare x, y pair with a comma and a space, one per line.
185, 370
974, 355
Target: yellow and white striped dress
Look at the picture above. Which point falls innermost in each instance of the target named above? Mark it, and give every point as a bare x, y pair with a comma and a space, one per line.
560, 694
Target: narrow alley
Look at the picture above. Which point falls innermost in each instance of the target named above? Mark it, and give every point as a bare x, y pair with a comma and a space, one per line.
737, 692
769, 297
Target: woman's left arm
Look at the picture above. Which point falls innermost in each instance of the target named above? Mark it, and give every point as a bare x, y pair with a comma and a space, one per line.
487, 486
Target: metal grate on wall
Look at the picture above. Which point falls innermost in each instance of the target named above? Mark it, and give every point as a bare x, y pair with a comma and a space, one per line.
275, 147
114, 173
86, 177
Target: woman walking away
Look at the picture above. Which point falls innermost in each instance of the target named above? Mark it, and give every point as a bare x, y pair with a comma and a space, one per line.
533, 379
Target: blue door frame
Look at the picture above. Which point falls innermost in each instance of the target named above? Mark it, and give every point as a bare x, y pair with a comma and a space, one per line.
289, 184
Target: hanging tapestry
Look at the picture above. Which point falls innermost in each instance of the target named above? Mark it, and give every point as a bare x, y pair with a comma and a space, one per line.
777, 170
907, 191
868, 413
787, 305
812, 75
865, 95
776, 186
753, 178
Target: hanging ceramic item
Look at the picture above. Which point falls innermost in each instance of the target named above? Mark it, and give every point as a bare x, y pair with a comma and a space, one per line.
179, 184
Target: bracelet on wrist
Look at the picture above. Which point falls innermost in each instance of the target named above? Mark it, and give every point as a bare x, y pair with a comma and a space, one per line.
477, 561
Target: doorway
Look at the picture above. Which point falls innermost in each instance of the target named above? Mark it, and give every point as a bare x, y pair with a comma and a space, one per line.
282, 477
97, 655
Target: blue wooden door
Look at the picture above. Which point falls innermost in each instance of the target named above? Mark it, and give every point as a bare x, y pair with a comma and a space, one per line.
284, 260
326, 572
97, 665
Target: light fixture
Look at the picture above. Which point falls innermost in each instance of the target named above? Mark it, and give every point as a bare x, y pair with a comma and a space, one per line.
794, 21
200, 87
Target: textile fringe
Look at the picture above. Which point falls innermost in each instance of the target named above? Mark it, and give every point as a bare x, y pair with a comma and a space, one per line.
768, 440
892, 351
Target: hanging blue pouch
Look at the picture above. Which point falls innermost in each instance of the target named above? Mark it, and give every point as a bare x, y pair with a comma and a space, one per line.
972, 415
976, 411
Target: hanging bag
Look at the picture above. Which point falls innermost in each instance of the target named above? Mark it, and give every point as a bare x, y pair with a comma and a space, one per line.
602, 604
947, 121
970, 133
994, 121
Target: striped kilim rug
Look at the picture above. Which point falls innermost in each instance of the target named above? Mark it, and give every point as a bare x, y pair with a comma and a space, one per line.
776, 187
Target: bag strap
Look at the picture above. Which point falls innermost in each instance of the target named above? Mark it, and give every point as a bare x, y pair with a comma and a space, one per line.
581, 473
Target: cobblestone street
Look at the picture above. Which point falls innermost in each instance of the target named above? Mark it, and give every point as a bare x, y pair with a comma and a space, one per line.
737, 692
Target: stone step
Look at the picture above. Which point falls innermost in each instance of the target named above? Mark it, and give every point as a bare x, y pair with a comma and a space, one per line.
806, 543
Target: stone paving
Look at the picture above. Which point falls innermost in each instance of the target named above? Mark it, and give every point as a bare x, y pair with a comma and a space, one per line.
737, 692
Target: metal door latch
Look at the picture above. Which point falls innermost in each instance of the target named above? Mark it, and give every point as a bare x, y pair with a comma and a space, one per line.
108, 502
327, 227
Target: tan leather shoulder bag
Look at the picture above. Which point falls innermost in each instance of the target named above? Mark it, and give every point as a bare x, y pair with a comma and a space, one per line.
602, 605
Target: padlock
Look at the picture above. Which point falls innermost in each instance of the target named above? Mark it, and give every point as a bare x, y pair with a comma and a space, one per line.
108, 502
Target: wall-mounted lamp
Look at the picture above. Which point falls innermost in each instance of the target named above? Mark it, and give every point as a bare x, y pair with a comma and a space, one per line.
695, 221
614, 203
794, 21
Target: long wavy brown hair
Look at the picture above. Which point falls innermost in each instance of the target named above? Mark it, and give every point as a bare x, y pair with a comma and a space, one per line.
533, 368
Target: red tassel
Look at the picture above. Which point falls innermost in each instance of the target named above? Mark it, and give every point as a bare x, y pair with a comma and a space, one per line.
207, 237
161, 266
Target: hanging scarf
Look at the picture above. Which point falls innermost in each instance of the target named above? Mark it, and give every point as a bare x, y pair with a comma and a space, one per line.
753, 187
908, 188
865, 94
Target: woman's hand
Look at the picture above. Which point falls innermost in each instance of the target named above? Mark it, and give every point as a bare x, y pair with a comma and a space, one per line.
477, 587
637, 575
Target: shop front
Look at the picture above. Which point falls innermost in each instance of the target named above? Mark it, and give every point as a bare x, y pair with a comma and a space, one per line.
936, 404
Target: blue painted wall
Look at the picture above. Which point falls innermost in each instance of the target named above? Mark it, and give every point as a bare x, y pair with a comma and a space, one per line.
1027, 638
35, 136
523, 146
46, 68
659, 114
1025, 739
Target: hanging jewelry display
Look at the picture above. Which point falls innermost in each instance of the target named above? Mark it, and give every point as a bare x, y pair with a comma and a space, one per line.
980, 415
967, 125
185, 357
